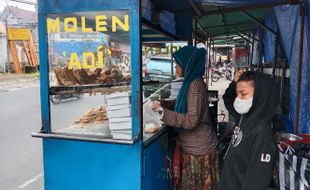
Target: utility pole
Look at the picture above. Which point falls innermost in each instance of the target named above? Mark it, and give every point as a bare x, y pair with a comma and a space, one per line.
7, 39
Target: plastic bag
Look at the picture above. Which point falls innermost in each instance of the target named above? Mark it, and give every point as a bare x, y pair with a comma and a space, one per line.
151, 119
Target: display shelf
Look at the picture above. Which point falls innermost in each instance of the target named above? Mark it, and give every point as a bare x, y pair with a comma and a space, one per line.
92, 138
93, 88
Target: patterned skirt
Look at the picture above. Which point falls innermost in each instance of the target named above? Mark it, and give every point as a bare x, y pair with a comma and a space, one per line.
198, 172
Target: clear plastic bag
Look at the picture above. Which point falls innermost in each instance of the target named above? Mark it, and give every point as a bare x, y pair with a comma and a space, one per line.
151, 119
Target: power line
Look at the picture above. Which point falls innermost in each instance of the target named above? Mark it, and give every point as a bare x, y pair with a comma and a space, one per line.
25, 2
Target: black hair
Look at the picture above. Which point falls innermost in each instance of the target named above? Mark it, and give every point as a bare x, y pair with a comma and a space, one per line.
247, 76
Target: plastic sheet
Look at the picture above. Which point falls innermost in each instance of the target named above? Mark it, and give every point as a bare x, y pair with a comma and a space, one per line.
269, 40
289, 22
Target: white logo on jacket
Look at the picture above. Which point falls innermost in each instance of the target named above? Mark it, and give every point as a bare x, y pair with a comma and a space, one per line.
265, 158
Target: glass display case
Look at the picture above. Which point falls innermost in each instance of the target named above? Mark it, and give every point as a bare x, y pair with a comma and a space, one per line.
89, 56
95, 80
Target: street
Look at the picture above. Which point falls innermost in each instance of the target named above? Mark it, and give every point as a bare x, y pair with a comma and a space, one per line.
21, 154
20, 115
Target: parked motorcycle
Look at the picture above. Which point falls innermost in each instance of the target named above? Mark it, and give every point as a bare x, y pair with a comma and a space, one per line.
56, 99
221, 70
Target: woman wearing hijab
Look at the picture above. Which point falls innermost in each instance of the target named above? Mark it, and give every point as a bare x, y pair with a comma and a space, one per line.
252, 99
195, 157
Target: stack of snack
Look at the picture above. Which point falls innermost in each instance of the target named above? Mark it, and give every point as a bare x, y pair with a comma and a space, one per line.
64, 78
95, 115
67, 77
82, 76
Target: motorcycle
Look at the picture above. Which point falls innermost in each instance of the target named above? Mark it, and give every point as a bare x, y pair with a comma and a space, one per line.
56, 99
221, 70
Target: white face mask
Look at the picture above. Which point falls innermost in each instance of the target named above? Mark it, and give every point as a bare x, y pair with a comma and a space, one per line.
242, 106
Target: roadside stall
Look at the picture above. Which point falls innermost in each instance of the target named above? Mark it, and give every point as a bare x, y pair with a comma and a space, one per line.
99, 56
271, 36
91, 55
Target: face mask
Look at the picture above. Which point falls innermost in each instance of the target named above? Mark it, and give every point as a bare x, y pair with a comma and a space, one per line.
243, 106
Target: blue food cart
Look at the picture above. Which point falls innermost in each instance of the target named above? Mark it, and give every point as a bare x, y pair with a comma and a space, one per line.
96, 140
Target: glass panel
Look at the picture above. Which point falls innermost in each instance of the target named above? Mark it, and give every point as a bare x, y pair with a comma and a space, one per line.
89, 72
159, 80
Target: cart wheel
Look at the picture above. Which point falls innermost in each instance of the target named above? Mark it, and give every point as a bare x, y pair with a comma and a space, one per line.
55, 99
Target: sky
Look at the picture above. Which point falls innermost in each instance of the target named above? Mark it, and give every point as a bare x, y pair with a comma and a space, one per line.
20, 5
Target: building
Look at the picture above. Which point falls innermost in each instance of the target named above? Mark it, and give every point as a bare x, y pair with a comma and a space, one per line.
15, 17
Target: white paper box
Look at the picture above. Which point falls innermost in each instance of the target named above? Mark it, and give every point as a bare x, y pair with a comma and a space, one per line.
118, 101
117, 95
118, 107
126, 112
124, 136
123, 125
122, 119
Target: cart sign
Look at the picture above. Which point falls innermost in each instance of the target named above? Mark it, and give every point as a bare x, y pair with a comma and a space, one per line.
114, 23
19, 34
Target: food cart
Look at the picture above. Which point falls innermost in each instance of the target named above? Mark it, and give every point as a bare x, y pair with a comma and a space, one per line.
98, 141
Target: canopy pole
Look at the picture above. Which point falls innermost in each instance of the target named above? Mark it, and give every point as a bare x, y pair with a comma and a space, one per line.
194, 6
195, 32
275, 56
239, 32
252, 50
284, 67
210, 61
303, 10
249, 50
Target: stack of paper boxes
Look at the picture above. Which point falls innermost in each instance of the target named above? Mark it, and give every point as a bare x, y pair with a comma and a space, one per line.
119, 114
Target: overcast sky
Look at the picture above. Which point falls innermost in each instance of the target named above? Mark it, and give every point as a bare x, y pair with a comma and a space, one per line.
20, 5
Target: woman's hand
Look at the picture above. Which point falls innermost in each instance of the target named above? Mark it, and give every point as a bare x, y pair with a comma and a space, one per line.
238, 74
156, 106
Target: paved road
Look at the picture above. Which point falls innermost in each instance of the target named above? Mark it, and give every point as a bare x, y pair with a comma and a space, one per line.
20, 154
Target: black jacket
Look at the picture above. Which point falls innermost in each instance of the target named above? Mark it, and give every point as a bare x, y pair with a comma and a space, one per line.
249, 165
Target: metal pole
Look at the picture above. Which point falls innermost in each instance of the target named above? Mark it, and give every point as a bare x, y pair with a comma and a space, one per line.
253, 45
171, 57
207, 64
283, 83
259, 22
211, 48
275, 56
195, 32
261, 53
249, 50
303, 10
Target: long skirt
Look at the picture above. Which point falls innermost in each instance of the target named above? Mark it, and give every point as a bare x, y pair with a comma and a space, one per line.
199, 172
